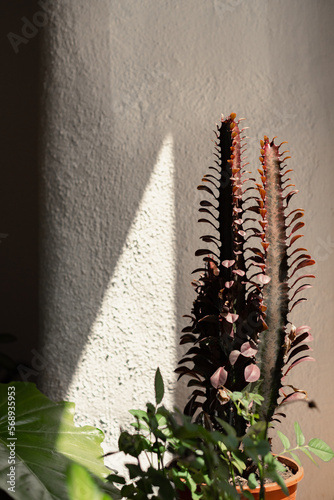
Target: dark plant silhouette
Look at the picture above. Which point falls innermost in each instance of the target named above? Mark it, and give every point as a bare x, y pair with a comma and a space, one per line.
239, 332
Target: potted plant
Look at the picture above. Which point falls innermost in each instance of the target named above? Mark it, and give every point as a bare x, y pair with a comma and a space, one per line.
241, 336
204, 463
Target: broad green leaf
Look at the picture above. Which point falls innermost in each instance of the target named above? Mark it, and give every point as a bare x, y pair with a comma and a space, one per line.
227, 427
46, 445
159, 387
141, 414
157, 478
115, 478
134, 470
133, 444
128, 491
162, 421
81, 485
139, 426
284, 439
299, 435
252, 481
321, 449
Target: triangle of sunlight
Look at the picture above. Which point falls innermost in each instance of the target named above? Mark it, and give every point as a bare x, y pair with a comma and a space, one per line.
134, 330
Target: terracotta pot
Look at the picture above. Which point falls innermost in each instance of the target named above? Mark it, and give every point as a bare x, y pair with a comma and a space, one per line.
273, 491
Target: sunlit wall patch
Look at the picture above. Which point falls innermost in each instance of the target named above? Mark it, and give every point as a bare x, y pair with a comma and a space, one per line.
135, 328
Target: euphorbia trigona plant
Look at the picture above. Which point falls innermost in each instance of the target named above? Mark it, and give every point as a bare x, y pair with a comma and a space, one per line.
240, 332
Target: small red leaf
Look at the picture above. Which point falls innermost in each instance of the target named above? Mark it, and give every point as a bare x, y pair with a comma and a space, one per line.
234, 356
302, 256
228, 263
231, 318
219, 378
304, 263
295, 396
296, 217
290, 195
210, 318
199, 270
228, 284
247, 350
263, 279
303, 337
252, 373
299, 225
296, 303
297, 350
203, 251
300, 289
294, 238
302, 329
300, 360
239, 272
301, 277
298, 250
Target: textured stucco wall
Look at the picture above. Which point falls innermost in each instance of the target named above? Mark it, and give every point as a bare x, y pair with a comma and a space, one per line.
132, 90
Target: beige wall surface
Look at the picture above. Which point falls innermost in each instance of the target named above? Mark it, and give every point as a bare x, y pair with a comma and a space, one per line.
131, 92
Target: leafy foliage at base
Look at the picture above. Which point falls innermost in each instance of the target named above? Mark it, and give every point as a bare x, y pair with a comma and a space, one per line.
43, 444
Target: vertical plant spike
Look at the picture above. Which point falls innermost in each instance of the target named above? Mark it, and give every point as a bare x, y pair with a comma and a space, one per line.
278, 235
225, 325
238, 332
276, 292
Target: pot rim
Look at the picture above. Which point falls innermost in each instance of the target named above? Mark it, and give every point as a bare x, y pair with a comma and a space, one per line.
298, 476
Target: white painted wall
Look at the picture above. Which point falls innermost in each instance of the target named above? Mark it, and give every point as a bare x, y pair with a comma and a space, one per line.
132, 89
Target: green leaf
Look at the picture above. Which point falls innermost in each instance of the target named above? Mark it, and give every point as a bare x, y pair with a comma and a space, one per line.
47, 443
157, 478
159, 387
162, 421
308, 454
295, 457
284, 439
252, 481
133, 444
141, 414
134, 470
227, 427
81, 485
139, 426
299, 435
115, 478
238, 463
321, 449
128, 490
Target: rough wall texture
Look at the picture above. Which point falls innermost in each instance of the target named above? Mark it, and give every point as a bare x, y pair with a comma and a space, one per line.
131, 93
